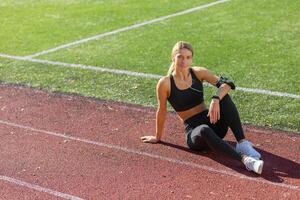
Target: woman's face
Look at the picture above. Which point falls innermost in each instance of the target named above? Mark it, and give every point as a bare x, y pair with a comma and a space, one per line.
183, 59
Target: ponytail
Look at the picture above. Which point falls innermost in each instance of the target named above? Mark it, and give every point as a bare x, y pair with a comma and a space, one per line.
171, 69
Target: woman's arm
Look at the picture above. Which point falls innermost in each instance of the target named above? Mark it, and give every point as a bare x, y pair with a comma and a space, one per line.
204, 74
162, 95
214, 108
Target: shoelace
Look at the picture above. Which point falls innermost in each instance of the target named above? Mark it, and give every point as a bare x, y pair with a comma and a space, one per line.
249, 161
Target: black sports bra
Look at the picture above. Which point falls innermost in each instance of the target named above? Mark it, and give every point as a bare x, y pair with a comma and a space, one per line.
182, 100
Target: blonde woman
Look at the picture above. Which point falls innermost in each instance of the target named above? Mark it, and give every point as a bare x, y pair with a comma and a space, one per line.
204, 128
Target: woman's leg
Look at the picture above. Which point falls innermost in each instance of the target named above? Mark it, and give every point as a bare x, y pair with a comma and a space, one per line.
203, 136
229, 117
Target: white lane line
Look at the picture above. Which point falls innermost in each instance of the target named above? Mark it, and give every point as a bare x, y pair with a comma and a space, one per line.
80, 66
268, 92
96, 37
164, 158
139, 74
38, 188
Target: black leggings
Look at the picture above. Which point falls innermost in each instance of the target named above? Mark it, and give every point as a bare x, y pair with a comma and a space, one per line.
202, 135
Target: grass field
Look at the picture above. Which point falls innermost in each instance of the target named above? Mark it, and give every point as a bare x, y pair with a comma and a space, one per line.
254, 42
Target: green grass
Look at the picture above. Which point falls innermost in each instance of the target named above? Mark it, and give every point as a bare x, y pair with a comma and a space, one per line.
254, 42
29, 26
275, 112
85, 82
257, 49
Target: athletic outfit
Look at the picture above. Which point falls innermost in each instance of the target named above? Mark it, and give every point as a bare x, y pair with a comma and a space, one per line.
200, 133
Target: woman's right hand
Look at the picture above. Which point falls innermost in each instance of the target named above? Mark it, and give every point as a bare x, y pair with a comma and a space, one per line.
149, 139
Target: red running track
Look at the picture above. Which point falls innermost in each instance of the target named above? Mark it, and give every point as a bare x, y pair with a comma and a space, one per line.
62, 146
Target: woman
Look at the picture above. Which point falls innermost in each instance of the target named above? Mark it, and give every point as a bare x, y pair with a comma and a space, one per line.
204, 128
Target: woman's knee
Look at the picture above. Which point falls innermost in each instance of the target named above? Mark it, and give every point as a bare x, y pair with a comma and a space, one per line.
226, 100
200, 132
196, 139
227, 106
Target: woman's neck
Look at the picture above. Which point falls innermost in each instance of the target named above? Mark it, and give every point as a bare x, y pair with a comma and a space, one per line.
182, 74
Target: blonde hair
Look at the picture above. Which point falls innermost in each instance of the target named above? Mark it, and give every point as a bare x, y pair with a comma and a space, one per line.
177, 47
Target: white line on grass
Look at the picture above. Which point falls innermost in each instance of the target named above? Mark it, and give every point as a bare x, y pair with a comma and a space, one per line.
164, 158
139, 74
38, 188
80, 66
96, 37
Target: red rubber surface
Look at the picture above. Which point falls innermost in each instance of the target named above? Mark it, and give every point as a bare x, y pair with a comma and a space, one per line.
122, 171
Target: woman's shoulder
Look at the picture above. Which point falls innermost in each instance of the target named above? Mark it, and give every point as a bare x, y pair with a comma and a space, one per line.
164, 82
199, 69
205, 75
200, 72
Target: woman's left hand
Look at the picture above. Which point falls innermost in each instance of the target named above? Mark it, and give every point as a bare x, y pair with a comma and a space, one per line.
214, 111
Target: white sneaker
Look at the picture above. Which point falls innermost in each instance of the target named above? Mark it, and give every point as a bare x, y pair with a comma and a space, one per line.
246, 148
253, 164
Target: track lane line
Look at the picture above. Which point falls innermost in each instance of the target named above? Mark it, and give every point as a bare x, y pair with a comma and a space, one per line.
155, 156
38, 188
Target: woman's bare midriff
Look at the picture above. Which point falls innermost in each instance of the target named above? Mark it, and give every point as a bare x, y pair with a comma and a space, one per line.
184, 115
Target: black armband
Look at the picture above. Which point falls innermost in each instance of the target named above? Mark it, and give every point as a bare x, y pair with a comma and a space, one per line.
226, 81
